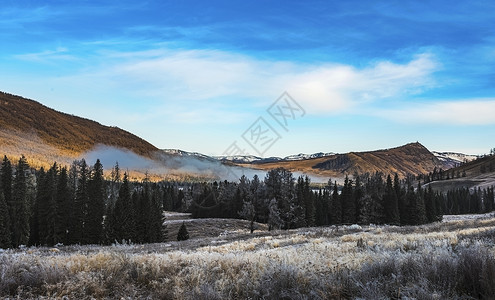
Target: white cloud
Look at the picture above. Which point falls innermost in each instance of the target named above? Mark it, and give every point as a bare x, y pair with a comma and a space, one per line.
59, 54
454, 112
190, 81
211, 74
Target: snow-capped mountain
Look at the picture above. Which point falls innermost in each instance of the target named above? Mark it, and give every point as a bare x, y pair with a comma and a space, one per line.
250, 159
247, 159
302, 156
177, 152
453, 159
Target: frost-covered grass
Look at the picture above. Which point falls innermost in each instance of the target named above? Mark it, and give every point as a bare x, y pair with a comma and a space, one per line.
439, 261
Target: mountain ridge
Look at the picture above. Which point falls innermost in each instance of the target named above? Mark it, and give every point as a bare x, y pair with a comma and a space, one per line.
71, 135
28, 127
412, 158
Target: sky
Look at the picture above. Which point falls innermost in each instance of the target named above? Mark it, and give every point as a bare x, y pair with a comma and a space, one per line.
267, 78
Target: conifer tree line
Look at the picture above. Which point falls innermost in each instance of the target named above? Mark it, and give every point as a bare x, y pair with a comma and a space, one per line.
282, 201
77, 205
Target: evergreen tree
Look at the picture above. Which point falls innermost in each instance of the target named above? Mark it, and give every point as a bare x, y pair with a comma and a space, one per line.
156, 233
280, 186
421, 209
6, 183
274, 219
430, 205
401, 200
124, 227
183, 234
336, 206
46, 207
348, 203
34, 222
96, 205
308, 201
5, 241
109, 222
391, 203
20, 205
248, 213
65, 201
358, 194
77, 232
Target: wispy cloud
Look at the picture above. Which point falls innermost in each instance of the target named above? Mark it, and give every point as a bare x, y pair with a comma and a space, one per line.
195, 75
54, 56
453, 112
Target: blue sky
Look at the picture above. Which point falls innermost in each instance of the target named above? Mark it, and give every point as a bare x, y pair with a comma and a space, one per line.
195, 75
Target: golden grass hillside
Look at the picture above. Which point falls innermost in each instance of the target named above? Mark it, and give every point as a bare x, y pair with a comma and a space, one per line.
68, 134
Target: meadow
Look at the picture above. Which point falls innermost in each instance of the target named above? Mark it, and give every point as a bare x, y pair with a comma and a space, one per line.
454, 259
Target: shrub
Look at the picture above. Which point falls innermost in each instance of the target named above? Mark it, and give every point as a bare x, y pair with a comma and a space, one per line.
183, 234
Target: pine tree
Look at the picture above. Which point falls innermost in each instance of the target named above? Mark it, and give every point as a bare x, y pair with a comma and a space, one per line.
183, 235
109, 222
421, 209
64, 200
46, 207
274, 219
34, 222
6, 183
96, 205
4, 223
308, 201
430, 205
124, 217
391, 203
336, 206
358, 195
140, 202
20, 205
77, 232
348, 203
248, 213
156, 233
401, 200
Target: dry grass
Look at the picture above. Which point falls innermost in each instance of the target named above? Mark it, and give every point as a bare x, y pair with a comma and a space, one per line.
438, 261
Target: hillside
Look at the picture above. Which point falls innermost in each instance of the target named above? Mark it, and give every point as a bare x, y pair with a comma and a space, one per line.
26, 124
477, 173
412, 158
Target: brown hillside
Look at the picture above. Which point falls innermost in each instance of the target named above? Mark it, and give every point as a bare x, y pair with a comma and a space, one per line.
479, 173
24, 119
477, 167
412, 158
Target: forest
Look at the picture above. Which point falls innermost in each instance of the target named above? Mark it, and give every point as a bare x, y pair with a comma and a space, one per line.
79, 205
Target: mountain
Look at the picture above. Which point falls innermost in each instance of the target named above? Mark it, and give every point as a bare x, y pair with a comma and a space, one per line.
246, 159
478, 173
453, 159
412, 158
29, 126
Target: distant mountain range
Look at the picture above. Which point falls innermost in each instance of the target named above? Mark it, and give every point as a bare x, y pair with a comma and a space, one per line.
449, 159
45, 135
